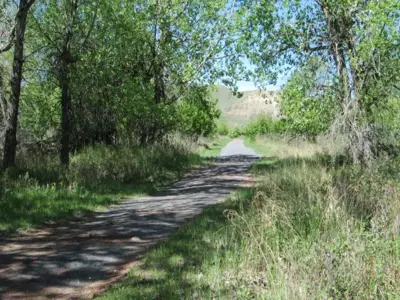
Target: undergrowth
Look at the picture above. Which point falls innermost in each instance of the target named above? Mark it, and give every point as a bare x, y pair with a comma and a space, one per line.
313, 227
37, 191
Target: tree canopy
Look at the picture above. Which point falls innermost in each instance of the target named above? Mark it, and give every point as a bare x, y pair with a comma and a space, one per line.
85, 71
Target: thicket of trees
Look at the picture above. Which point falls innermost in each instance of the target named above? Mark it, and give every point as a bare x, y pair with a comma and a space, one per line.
85, 71
345, 60
78, 72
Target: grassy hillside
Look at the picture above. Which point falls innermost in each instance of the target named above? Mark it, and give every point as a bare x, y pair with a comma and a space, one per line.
238, 110
225, 97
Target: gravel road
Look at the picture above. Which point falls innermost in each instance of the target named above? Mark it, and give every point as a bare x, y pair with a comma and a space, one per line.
237, 147
81, 258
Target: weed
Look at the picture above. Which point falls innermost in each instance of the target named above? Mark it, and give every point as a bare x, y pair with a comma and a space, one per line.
37, 191
313, 227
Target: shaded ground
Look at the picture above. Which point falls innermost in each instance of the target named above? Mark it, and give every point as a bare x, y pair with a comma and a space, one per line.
82, 257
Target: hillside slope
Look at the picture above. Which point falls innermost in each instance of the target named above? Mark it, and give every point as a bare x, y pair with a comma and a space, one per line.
239, 110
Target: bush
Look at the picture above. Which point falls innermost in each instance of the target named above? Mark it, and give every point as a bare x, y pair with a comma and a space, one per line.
263, 124
308, 109
197, 113
222, 129
235, 132
126, 165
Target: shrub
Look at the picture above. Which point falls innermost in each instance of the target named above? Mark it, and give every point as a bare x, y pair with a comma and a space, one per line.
222, 128
126, 165
197, 113
262, 124
235, 132
308, 109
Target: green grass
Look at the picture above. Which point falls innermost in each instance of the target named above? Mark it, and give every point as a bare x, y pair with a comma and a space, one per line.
189, 264
213, 147
36, 192
312, 227
281, 147
24, 207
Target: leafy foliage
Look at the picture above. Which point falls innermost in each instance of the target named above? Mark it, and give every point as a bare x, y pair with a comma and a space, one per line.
222, 128
262, 124
306, 107
197, 113
235, 132
122, 73
355, 42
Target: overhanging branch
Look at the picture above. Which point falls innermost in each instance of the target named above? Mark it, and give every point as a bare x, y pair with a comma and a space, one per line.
9, 45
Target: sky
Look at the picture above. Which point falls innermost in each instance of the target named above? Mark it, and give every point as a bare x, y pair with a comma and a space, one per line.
250, 86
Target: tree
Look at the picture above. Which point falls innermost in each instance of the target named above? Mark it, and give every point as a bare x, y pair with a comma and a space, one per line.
18, 38
125, 67
64, 27
307, 102
357, 41
197, 113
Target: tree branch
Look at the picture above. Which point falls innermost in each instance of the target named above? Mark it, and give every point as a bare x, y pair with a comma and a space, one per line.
9, 45
30, 3
91, 28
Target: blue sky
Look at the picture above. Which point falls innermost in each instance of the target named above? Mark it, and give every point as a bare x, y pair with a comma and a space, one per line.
250, 86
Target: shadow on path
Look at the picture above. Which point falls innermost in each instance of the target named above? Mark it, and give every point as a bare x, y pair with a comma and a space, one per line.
82, 257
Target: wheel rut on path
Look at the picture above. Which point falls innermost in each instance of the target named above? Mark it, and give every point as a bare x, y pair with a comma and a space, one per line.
81, 258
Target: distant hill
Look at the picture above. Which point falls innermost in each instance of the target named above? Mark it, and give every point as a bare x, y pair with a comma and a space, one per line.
239, 110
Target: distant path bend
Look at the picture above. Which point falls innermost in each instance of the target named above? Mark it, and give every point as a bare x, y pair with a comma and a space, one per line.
82, 258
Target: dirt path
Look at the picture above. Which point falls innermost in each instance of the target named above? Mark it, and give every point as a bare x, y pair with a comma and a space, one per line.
80, 259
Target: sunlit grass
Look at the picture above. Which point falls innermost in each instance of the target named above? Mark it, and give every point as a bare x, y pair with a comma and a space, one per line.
37, 191
212, 147
312, 228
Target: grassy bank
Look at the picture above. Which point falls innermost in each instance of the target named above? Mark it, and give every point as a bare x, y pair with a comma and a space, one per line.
37, 191
311, 228
212, 147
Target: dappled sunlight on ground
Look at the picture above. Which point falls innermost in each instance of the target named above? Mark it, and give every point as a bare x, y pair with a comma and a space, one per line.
83, 256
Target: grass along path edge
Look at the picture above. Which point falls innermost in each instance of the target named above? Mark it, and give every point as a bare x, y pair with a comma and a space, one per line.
35, 194
309, 229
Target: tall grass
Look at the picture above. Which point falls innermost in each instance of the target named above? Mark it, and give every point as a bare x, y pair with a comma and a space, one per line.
319, 229
37, 191
312, 228
314, 232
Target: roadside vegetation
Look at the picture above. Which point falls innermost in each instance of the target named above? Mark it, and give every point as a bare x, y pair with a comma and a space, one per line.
98, 101
37, 190
313, 226
106, 98
323, 219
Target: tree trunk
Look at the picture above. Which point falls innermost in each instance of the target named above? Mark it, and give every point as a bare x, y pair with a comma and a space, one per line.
10, 141
65, 113
65, 60
159, 92
342, 50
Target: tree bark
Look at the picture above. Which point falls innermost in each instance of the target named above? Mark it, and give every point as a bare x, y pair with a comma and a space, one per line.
10, 142
65, 113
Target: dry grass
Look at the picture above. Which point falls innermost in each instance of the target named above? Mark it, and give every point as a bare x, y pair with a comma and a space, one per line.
312, 228
325, 230
283, 146
36, 191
